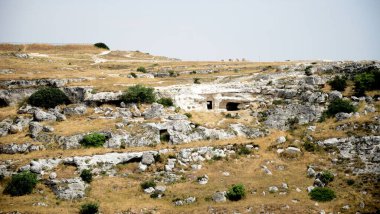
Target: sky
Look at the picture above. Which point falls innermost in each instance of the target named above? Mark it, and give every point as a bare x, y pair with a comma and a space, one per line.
266, 30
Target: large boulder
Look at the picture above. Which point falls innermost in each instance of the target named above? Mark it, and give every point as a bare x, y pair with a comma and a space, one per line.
156, 110
75, 109
5, 125
68, 189
40, 115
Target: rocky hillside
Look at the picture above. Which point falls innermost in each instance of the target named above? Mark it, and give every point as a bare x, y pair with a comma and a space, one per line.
128, 132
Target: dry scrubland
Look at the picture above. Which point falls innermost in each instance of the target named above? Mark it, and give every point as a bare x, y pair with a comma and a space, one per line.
121, 192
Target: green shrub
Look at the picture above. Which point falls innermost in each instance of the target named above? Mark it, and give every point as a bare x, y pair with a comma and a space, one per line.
165, 101
188, 115
133, 75
236, 192
369, 80
101, 45
244, 150
338, 83
173, 73
21, 184
278, 102
292, 123
139, 94
339, 105
308, 70
310, 147
326, 177
89, 208
48, 98
322, 194
197, 80
141, 69
147, 184
350, 182
93, 140
86, 175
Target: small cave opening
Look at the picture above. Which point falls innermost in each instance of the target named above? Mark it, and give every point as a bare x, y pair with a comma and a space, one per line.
3, 103
231, 106
209, 105
164, 135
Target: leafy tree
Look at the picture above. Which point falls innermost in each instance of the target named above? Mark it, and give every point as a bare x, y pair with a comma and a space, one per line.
369, 80
340, 105
236, 192
101, 45
48, 98
139, 94
21, 184
338, 83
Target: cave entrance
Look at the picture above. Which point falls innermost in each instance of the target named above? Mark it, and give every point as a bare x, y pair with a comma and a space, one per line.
3, 103
164, 135
231, 106
209, 105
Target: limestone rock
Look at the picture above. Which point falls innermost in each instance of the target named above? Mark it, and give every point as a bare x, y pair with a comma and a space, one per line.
219, 197
75, 109
68, 189
156, 110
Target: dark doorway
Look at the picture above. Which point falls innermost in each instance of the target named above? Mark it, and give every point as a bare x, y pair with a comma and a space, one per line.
164, 135
3, 103
209, 105
232, 106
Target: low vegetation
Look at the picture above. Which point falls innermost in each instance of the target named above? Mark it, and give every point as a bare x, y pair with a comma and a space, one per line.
86, 175
338, 83
93, 140
48, 98
141, 69
89, 208
139, 94
236, 192
147, 184
326, 177
165, 101
322, 194
367, 81
21, 184
340, 105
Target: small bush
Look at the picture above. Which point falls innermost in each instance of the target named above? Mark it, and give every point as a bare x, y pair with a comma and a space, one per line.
338, 83
165, 101
133, 75
141, 69
339, 105
326, 177
48, 98
147, 184
310, 147
89, 208
86, 175
139, 94
370, 80
173, 73
197, 80
101, 45
278, 102
244, 150
188, 115
308, 70
322, 194
21, 184
236, 192
350, 182
292, 123
93, 140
